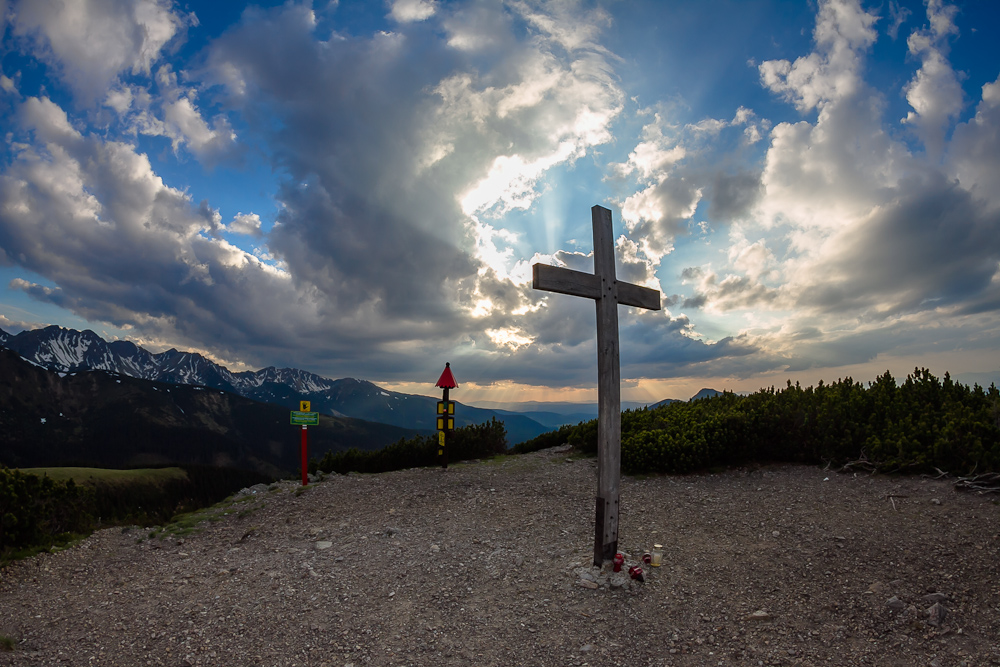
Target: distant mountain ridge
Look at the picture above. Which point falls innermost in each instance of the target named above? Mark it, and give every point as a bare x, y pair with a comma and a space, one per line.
68, 351
703, 393
105, 419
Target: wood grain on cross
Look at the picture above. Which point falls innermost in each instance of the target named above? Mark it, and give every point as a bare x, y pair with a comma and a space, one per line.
607, 292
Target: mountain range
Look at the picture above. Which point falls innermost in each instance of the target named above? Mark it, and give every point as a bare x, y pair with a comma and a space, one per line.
120, 392
105, 419
69, 351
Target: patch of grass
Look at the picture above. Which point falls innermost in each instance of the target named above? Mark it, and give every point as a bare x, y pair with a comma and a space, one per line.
513, 460
20, 554
242, 514
498, 460
108, 476
190, 523
56, 544
7, 643
67, 541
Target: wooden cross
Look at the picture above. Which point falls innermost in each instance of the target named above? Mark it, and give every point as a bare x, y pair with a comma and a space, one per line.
602, 287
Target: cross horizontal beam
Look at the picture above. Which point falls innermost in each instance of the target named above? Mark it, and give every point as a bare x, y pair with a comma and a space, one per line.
577, 283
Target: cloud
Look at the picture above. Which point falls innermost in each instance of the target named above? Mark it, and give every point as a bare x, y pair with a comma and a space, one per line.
843, 33
247, 224
120, 100
92, 42
819, 175
933, 247
730, 292
173, 114
897, 16
397, 171
975, 145
844, 243
874, 231
409, 164
123, 247
677, 168
869, 239
372, 258
408, 11
16, 326
566, 23
934, 92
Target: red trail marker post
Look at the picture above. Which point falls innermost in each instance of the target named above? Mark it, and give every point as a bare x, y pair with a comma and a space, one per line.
608, 292
305, 455
445, 413
304, 418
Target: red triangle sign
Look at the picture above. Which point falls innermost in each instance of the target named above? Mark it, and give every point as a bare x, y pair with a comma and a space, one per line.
447, 380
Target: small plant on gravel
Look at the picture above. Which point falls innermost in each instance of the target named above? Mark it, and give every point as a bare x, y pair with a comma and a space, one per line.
188, 523
7, 643
499, 459
248, 511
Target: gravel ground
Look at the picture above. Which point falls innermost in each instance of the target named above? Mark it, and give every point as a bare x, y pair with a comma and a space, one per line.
488, 564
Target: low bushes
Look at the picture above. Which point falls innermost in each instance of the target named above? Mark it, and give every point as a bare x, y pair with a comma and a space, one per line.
37, 511
469, 442
919, 425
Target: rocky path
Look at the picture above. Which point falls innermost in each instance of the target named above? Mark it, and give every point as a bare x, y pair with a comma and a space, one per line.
487, 564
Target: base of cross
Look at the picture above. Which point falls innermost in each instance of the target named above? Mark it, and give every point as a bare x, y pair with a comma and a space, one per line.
604, 549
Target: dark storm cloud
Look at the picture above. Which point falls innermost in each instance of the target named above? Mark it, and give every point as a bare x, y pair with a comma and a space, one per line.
731, 196
373, 138
124, 248
934, 246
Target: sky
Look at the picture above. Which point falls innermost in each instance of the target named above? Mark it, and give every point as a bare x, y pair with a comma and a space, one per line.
359, 189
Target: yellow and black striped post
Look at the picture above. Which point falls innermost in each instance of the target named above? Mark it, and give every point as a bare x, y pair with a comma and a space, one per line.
445, 414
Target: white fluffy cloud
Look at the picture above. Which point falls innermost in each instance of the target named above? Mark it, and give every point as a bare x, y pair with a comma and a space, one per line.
248, 224
123, 247
92, 42
844, 31
174, 114
870, 236
934, 92
397, 176
408, 11
678, 167
975, 146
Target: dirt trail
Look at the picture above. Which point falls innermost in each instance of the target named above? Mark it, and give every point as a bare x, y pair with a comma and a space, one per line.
481, 565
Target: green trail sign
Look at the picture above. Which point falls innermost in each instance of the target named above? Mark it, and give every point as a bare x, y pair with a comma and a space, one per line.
305, 418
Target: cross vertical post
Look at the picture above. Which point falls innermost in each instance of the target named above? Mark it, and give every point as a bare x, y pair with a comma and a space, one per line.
609, 414
603, 287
